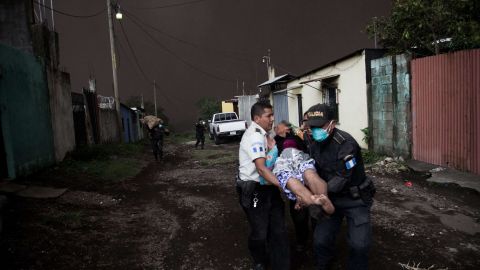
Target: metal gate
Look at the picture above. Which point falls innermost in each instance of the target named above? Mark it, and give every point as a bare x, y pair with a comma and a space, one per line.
446, 110
280, 106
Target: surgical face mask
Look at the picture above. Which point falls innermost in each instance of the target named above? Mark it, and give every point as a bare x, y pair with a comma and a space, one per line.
319, 134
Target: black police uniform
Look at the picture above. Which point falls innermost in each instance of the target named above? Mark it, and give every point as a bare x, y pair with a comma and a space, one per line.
339, 162
156, 136
200, 134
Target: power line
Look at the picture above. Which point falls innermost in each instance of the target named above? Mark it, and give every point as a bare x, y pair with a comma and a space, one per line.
192, 66
237, 57
137, 62
233, 54
133, 53
69, 14
172, 5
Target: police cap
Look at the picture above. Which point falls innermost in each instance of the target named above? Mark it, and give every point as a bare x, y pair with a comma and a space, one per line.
318, 115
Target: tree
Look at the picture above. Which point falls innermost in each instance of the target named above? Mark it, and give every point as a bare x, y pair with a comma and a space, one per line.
208, 106
136, 101
429, 26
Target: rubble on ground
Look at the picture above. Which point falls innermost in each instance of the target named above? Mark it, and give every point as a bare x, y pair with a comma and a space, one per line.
388, 165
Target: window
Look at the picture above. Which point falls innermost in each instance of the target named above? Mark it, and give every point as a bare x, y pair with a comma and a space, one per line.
330, 96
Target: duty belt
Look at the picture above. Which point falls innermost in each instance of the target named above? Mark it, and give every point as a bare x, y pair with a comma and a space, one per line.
354, 191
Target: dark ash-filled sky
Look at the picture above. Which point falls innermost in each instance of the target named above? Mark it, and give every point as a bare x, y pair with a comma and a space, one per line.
201, 49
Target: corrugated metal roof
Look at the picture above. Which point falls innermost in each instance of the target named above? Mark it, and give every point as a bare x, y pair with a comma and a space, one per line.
359, 51
276, 79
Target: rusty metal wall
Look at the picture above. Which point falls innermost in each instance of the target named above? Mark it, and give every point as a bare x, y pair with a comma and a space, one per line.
446, 110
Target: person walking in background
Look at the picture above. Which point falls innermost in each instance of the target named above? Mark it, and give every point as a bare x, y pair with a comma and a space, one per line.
156, 134
200, 129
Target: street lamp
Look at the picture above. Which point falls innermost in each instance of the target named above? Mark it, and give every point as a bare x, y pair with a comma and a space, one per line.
118, 13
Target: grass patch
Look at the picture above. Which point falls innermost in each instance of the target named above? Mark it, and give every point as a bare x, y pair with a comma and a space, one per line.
209, 157
370, 157
105, 151
180, 138
110, 170
110, 162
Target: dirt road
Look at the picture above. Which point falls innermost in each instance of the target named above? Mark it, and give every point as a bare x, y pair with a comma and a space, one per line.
182, 213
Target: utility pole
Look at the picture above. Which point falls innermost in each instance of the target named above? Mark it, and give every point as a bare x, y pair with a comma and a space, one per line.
155, 96
53, 20
243, 88
375, 31
114, 69
270, 69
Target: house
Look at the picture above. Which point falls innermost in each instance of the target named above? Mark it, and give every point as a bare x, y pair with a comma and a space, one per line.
343, 84
230, 105
276, 91
129, 127
245, 104
138, 127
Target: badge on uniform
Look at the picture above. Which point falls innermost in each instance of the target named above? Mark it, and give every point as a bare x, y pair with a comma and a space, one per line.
257, 149
351, 163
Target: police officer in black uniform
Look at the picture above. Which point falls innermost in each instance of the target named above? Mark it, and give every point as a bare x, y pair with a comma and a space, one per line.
339, 162
200, 132
156, 136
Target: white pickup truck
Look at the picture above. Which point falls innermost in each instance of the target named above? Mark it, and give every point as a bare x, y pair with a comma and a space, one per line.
224, 125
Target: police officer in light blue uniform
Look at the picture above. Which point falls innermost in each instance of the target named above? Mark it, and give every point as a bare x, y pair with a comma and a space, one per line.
339, 162
261, 200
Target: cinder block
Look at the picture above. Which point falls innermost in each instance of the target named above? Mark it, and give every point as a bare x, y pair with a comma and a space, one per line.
389, 69
388, 116
389, 106
387, 98
387, 79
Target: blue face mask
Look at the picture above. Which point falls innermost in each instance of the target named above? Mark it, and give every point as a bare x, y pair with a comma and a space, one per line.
319, 134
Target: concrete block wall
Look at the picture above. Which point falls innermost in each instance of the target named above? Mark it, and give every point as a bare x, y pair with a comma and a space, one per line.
15, 21
382, 105
402, 113
108, 126
25, 111
391, 110
61, 112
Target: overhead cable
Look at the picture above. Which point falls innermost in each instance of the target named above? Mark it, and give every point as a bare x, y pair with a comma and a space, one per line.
233, 54
69, 14
138, 63
171, 5
192, 66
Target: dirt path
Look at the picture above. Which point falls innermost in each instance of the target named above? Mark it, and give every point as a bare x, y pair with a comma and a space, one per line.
182, 213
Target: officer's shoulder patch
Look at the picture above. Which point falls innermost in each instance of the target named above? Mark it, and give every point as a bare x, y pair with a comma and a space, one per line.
339, 138
258, 130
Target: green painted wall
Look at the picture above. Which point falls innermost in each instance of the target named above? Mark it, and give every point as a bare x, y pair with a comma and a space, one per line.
25, 112
391, 109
